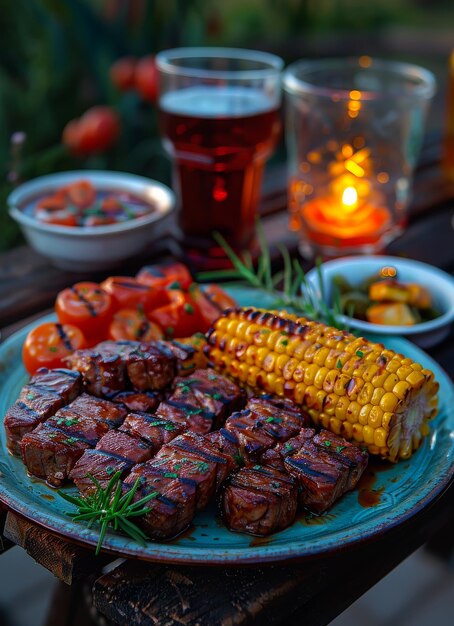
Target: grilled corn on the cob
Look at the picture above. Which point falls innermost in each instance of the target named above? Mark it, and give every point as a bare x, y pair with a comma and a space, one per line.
349, 385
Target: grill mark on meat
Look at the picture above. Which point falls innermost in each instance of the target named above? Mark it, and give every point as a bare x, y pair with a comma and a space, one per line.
301, 464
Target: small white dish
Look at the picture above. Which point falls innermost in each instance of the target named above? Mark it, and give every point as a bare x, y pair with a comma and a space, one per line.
358, 268
97, 247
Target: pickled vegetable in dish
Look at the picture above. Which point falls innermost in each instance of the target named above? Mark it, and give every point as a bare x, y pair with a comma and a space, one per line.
81, 204
385, 300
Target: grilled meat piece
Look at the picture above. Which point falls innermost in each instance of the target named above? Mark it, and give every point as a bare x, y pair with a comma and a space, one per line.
144, 401
99, 409
274, 457
185, 355
66, 383
51, 454
173, 509
154, 431
204, 448
259, 500
107, 367
79, 426
99, 465
180, 462
102, 368
121, 444
46, 392
202, 401
281, 418
322, 478
347, 453
252, 435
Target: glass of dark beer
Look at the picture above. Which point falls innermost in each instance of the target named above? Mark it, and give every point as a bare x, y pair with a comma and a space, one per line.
219, 120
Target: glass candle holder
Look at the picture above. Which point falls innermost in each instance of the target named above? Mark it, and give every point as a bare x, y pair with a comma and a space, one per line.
354, 129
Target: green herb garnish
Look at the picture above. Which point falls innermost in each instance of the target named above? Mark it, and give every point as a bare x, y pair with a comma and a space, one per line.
189, 308
297, 294
359, 354
109, 508
339, 364
340, 448
328, 444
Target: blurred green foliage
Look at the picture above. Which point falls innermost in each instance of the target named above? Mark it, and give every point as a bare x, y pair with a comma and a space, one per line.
55, 58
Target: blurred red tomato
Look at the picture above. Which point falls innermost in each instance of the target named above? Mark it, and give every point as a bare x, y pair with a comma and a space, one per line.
122, 73
97, 130
146, 78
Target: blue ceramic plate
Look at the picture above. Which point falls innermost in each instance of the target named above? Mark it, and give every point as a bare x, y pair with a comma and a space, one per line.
390, 493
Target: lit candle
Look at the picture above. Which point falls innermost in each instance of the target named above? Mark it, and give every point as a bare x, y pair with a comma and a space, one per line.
344, 219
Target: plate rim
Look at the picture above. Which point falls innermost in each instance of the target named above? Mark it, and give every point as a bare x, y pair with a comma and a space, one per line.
173, 553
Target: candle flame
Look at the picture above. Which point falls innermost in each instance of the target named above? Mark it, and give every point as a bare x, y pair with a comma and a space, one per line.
349, 197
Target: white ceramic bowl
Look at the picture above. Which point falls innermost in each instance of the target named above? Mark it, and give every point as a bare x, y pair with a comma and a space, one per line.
440, 284
97, 247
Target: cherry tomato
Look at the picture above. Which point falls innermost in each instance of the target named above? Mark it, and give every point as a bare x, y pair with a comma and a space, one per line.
56, 202
207, 311
146, 78
127, 293
81, 194
132, 324
122, 73
97, 130
88, 307
218, 297
65, 217
165, 274
48, 344
110, 204
179, 318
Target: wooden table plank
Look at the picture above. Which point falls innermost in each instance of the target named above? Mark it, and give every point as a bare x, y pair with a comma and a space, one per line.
67, 561
145, 594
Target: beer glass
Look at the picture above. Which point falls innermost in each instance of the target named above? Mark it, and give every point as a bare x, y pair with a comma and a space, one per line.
219, 120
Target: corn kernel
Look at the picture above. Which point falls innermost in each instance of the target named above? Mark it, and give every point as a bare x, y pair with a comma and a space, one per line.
365, 394
346, 430
310, 373
389, 402
377, 396
363, 416
403, 372
353, 412
341, 408
320, 377
416, 379
300, 390
320, 356
281, 362
375, 417
269, 362
390, 382
402, 389
335, 425
357, 431
290, 368
324, 420
368, 434
380, 437
330, 380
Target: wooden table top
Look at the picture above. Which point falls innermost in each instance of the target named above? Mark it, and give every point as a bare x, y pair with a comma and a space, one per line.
314, 592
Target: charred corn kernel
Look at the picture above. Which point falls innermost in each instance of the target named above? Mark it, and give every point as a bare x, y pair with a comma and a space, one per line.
319, 378
380, 435
368, 434
353, 412
363, 417
335, 425
349, 385
390, 382
375, 417
310, 373
341, 408
377, 395
401, 389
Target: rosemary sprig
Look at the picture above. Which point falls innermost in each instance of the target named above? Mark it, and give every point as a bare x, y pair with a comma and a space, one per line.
110, 507
297, 292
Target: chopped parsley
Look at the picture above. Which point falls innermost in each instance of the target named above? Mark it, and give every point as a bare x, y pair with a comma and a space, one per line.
170, 475
273, 420
169, 330
359, 354
328, 444
30, 396
169, 427
68, 421
71, 440
265, 331
53, 348
185, 389
239, 459
288, 447
110, 470
174, 285
339, 364
202, 467
340, 448
217, 396
188, 308
257, 467
284, 342
212, 377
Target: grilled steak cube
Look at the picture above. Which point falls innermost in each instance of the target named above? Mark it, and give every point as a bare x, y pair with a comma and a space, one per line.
155, 432
202, 401
185, 356
66, 383
123, 445
102, 367
51, 454
82, 427
179, 463
99, 409
274, 457
19, 420
142, 401
204, 448
101, 466
280, 418
322, 478
259, 500
252, 437
149, 365
172, 510
347, 453
227, 443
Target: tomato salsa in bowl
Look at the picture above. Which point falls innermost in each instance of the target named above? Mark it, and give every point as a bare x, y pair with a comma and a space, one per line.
90, 220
